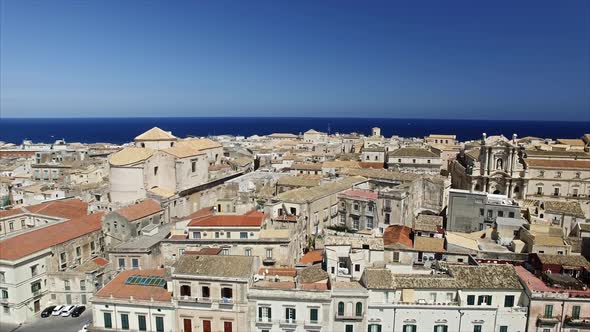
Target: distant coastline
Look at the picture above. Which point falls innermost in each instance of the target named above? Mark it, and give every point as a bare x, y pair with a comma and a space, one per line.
121, 130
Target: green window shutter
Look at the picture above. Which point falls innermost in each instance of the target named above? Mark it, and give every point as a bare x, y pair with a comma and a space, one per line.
108, 323
159, 324
313, 314
141, 323
269, 313
124, 322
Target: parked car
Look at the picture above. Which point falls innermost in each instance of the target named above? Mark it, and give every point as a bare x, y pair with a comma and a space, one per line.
57, 310
78, 311
47, 311
67, 310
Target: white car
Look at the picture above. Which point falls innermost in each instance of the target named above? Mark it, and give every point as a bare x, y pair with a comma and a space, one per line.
67, 310
57, 310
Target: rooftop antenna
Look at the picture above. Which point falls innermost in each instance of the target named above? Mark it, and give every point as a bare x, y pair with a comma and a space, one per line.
328, 128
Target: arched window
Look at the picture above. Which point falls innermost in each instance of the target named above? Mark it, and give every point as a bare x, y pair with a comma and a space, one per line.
359, 309
185, 290
516, 189
499, 163
340, 308
497, 192
477, 187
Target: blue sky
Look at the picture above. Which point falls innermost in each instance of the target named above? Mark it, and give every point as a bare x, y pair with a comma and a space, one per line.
426, 59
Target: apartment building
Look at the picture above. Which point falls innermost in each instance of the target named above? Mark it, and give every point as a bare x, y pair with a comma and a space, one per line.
27, 259
135, 301
455, 298
127, 222
210, 292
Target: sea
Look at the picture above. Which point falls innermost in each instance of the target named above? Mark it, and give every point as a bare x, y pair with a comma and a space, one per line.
122, 130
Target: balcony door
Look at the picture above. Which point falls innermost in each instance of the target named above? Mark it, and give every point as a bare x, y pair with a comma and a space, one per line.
188, 325
206, 326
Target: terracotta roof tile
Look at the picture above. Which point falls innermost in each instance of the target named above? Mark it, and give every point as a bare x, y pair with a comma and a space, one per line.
140, 210
282, 272
119, 290
100, 261
43, 238
556, 163
155, 134
67, 208
399, 236
312, 257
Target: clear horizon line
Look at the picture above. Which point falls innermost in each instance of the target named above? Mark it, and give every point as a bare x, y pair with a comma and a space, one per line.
279, 117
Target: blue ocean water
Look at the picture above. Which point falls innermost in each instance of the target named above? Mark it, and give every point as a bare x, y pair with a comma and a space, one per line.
121, 130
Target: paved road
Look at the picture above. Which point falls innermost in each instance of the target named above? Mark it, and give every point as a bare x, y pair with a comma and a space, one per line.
58, 324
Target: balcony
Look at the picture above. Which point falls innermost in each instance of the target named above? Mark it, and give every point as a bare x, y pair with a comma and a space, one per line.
288, 322
37, 293
226, 300
269, 261
547, 320
348, 317
387, 208
4, 300
266, 321
203, 299
312, 324
577, 322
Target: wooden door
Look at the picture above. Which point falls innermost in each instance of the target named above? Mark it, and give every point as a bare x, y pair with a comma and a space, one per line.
206, 326
188, 325
227, 327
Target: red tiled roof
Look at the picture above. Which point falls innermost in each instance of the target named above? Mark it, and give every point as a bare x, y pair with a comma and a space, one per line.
537, 285
314, 286
228, 221
204, 212
66, 208
312, 257
100, 261
17, 153
356, 193
254, 213
25, 244
118, 289
398, 234
178, 237
140, 210
377, 165
282, 272
556, 163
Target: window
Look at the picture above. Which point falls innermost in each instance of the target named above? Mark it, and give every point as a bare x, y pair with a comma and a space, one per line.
155, 170
313, 315
124, 321
340, 308
409, 328
428, 161
359, 309
141, 323
194, 166
374, 327
225, 251
83, 285
78, 252
369, 222
228, 235
509, 301
549, 310
440, 328
185, 290
357, 268
227, 327
34, 270
349, 328
510, 214
355, 206
290, 314
248, 252
539, 190
159, 324
414, 161
135, 263
387, 218
217, 235
121, 263
66, 284
576, 312
11, 226
92, 248
243, 235
395, 257
470, 299
264, 314
355, 223
484, 299
22, 223
541, 174
226, 294
196, 235
490, 214
558, 175
575, 192
556, 191
500, 213
205, 292
4, 293
108, 323
268, 253
476, 328
503, 328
